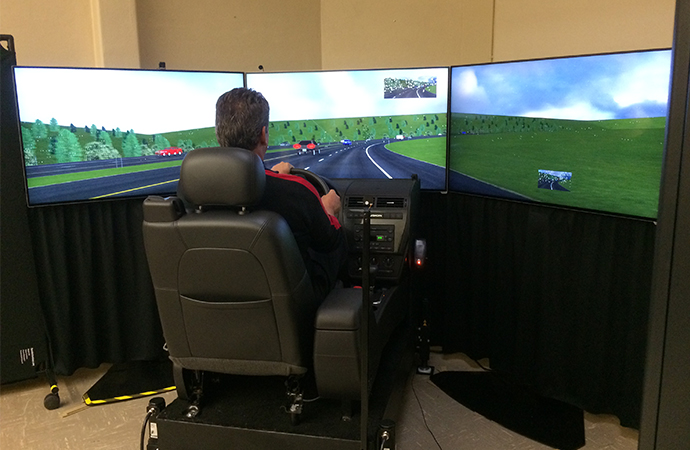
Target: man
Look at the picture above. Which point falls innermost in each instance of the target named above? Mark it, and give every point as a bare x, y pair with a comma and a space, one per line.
242, 121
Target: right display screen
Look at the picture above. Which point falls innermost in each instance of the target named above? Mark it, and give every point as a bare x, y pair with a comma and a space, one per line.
585, 132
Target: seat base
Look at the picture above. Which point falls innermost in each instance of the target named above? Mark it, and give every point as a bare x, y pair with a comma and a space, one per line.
247, 412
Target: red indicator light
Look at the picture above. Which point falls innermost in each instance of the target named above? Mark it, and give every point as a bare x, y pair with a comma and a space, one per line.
311, 146
296, 146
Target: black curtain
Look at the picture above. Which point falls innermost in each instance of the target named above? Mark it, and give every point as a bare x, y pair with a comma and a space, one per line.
94, 284
558, 299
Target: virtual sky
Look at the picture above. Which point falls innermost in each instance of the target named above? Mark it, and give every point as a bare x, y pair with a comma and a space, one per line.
601, 87
328, 95
147, 102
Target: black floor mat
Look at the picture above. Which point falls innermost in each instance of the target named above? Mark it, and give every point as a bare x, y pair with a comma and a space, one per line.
544, 420
131, 379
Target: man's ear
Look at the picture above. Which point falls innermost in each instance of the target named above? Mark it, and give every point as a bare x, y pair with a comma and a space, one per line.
264, 136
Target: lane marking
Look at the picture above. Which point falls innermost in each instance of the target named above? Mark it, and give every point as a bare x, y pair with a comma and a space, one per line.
135, 189
374, 162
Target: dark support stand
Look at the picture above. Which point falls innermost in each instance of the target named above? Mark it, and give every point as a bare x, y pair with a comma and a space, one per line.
52, 400
364, 325
423, 342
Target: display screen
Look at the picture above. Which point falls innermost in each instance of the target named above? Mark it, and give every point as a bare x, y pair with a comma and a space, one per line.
585, 132
359, 124
102, 133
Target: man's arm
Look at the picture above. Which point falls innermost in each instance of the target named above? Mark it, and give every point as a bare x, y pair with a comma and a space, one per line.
326, 232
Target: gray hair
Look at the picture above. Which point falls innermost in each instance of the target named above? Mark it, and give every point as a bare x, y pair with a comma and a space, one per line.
240, 115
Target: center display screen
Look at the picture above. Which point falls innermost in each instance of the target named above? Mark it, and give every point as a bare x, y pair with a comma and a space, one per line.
359, 124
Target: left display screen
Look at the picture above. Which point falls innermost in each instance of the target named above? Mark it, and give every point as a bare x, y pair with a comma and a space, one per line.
90, 134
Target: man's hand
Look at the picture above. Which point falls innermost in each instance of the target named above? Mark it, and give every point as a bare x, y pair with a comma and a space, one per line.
331, 202
282, 168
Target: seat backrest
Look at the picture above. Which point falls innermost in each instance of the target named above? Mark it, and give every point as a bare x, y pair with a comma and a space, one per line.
232, 290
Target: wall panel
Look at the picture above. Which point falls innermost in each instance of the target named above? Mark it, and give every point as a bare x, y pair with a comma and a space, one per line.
50, 33
361, 34
230, 35
527, 29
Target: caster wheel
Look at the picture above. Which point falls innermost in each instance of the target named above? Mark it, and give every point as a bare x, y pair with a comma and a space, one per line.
51, 401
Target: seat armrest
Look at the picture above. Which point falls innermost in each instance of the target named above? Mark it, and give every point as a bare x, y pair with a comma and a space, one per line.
340, 310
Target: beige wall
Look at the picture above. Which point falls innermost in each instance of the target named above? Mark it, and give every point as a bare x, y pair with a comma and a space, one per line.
230, 34
72, 32
116, 42
404, 33
286, 35
50, 32
541, 28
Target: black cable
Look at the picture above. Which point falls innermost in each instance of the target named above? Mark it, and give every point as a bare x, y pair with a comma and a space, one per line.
143, 429
414, 391
383, 441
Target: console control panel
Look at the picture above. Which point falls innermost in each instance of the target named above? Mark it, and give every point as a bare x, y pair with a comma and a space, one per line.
392, 206
381, 237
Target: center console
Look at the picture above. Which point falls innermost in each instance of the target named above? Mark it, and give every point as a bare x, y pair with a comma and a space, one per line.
393, 207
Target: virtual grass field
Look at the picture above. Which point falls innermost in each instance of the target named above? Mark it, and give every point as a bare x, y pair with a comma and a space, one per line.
87, 175
615, 164
431, 150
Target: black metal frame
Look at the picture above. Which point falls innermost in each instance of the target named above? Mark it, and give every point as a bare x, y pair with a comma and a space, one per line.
666, 398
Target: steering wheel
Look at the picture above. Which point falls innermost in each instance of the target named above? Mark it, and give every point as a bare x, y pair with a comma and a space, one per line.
319, 183
322, 185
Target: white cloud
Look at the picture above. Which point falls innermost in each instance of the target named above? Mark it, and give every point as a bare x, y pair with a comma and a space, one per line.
646, 83
579, 111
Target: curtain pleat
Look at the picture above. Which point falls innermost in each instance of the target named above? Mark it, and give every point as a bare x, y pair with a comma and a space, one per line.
558, 299
94, 282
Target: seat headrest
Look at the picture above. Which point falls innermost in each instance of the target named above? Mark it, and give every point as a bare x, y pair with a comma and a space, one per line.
221, 176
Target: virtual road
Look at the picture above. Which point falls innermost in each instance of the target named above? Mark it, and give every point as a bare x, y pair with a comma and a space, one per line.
551, 185
420, 92
359, 160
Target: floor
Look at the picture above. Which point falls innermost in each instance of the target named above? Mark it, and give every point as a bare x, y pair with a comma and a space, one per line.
429, 419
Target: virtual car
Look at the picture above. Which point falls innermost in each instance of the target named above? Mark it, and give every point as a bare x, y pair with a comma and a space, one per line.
306, 147
346, 142
169, 151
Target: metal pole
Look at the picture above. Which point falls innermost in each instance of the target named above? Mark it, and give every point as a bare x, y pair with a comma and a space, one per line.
364, 327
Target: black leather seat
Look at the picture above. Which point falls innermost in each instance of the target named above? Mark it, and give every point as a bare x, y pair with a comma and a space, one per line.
232, 290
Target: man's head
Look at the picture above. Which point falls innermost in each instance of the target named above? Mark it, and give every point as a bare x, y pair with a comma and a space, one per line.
241, 118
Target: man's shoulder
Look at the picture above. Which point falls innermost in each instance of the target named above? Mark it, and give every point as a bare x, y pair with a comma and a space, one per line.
277, 182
